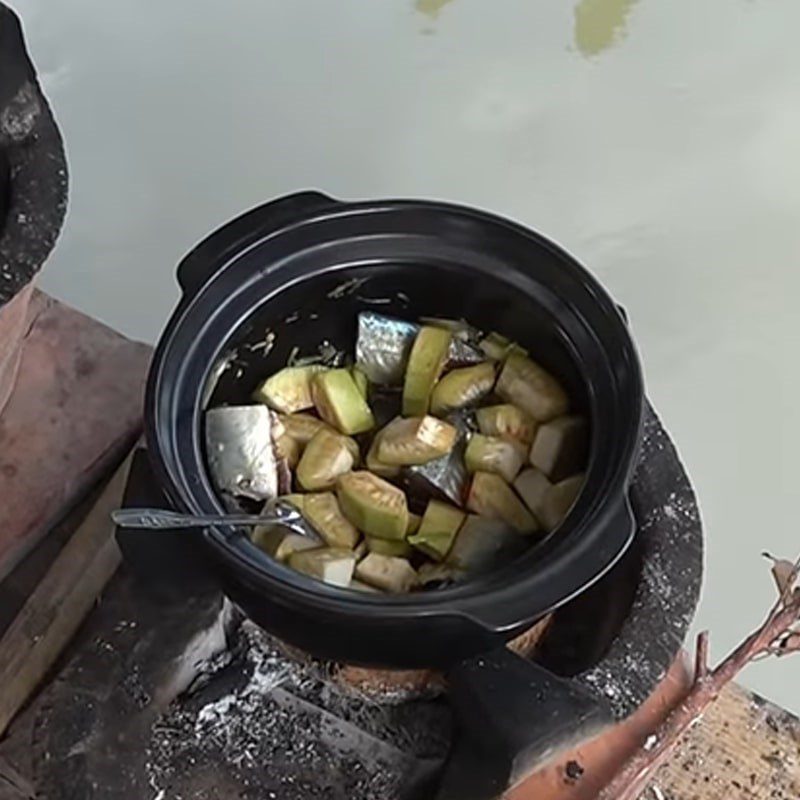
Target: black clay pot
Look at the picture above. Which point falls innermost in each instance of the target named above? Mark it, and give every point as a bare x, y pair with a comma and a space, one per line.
288, 260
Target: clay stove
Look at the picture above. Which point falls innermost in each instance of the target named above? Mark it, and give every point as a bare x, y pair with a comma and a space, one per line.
179, 698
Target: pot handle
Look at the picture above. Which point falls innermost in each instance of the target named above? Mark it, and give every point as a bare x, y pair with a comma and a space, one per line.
201, 263
595, 557
513, 716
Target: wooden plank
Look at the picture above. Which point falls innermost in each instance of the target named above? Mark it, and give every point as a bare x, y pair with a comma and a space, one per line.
744, 748
55, 610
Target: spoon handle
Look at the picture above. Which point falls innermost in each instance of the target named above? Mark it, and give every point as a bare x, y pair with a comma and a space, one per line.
159, 519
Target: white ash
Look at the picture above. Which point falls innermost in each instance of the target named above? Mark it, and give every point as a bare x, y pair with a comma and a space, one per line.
267, 723
668, 522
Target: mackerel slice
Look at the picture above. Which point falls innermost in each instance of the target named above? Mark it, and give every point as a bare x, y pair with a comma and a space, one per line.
241, 456
384, 344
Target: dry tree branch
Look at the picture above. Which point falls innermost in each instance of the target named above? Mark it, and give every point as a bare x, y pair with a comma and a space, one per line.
778, 635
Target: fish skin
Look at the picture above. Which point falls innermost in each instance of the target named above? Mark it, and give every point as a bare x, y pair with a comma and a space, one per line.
446, 477
241, 457
384, 344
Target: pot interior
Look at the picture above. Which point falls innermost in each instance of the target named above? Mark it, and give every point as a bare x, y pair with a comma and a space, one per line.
324, 308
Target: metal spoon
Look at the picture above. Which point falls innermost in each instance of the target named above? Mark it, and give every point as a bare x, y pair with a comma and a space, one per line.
161, 519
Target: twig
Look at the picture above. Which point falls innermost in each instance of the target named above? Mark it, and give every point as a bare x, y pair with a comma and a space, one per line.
776, 636
701, 657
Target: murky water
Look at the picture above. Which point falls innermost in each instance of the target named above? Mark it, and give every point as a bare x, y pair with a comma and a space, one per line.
655, 139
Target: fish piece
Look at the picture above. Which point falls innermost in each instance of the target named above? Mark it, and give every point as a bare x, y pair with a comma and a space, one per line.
241, 456
444, 478
384, 344
463, 354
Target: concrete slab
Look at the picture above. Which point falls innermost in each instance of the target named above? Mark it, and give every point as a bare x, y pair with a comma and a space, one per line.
75, 408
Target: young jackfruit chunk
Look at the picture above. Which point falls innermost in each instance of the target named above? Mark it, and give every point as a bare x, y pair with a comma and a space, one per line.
289, 389
389, 547
288, 449
297, 500
530, 387
414, 521
373, 462
361, 381
332, 565
532, 485
482, 544
425, 364
374, 506
438, 529
340, 403
462, 387
490, 496
498, 347
280, 543
559, 500
415, 440
302, 427
504, 457
323, 513
508, 422
327, 456
561, 447
389, 573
